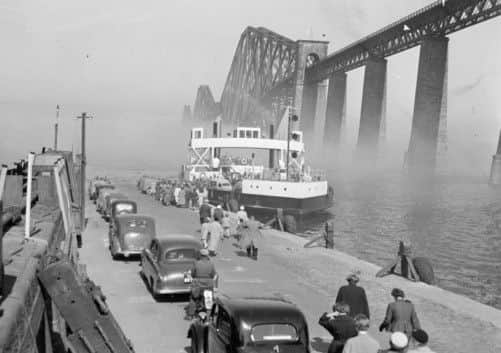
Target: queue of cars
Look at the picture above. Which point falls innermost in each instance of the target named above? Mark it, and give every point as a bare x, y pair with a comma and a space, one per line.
264, 324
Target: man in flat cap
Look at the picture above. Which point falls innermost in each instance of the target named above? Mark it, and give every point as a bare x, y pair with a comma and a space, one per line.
400, 315
354, 296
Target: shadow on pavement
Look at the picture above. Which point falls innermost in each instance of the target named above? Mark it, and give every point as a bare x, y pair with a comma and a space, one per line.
319, 345
241, 253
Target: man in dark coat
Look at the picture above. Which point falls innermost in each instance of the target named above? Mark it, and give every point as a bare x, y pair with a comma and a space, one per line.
354, 296
400, 315
204, 211
218, 213
340, 326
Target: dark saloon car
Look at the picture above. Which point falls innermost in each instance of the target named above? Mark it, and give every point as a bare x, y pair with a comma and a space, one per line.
258, 325
166, 263
131, 234
109, 199
119, 207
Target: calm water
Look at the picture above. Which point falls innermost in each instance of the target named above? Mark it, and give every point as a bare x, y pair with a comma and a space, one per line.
452, 222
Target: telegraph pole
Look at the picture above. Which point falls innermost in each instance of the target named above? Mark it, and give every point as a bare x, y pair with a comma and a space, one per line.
83, 163
56, 125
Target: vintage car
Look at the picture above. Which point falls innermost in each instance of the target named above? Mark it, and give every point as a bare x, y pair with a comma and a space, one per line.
165, 265
123, 206
109, 199
94, 186
251, 325
101, 198
131, 234
119, 207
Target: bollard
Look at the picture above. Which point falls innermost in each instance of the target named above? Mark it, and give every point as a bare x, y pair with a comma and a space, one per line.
329, 234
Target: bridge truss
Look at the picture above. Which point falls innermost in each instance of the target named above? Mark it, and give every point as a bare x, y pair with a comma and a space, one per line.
440, 18
205, 107
262, 59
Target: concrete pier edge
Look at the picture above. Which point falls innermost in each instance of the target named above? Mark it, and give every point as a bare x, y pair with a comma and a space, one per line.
455, 302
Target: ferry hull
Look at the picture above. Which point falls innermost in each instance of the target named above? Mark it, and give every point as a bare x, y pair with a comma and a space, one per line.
297, 206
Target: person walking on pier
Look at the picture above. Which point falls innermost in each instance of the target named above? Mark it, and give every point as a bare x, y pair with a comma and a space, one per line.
218, 213
400, 315
362, 342
242, 215
354, 296
225, 222
204, 211
216, 233
205, 232
250, 237
340, 325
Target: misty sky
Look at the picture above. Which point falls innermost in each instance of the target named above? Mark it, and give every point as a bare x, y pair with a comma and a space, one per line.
134, 64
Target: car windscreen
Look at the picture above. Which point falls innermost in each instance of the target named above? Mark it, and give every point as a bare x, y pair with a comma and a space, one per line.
180, 255
124, 207
138, 224
273, 332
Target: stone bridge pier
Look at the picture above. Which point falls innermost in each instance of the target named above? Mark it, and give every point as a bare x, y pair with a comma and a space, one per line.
373, 107
428, 142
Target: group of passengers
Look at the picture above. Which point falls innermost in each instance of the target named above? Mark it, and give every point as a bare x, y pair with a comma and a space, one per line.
350, 320
181, 193
217, 226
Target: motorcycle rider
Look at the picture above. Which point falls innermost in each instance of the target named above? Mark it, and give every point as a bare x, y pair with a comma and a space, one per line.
203, 273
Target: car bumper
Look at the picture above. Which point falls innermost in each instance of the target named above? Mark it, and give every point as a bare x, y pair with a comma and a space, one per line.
168, 288
128, 253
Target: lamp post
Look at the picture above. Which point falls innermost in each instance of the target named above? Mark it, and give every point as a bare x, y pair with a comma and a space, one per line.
83, 165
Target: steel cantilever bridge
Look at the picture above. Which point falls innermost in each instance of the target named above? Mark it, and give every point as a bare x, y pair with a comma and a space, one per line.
270, 71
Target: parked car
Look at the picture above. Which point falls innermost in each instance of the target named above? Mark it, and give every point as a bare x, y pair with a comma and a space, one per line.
123, 206
119, 207
109, 199
93, 187
166, 263
251, 325
131, 234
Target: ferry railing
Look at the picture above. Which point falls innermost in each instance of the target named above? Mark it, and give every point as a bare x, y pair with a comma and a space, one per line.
274, 174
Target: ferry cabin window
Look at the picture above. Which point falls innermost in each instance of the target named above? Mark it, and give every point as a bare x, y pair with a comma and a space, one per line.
248, 134
255, 134
241, 133
234, 133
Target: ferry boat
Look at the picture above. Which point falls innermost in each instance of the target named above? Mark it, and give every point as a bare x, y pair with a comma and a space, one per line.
236, 180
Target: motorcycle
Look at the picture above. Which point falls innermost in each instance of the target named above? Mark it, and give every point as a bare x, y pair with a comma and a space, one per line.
202, 296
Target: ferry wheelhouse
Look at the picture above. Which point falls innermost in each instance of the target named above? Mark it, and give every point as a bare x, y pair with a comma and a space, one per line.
228, 163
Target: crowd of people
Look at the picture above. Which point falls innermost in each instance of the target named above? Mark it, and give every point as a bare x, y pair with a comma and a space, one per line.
216, 227
349, 322
183, 194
